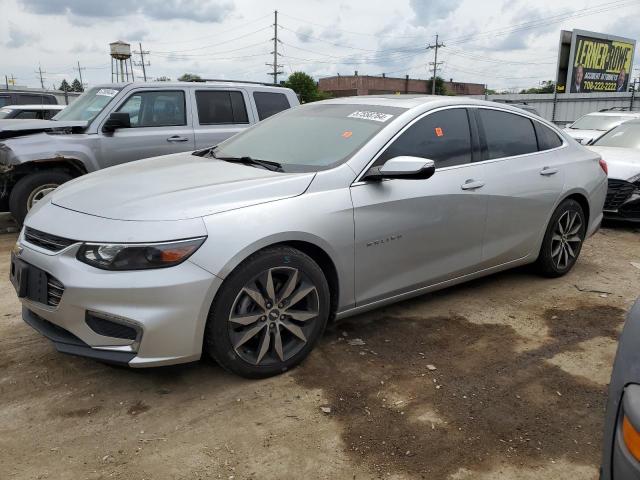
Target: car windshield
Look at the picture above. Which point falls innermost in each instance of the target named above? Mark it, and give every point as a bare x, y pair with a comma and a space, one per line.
598, 122
310, 138
5, 112
626, 135
88, 105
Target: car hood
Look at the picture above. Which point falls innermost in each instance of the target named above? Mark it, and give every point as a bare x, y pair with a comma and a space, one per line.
583, 136
17, 128
623, 163
176, 187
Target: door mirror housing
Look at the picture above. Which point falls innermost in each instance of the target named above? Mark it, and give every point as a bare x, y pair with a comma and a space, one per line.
117, 120
407, 168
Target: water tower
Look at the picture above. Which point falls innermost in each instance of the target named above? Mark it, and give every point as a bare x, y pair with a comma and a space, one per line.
121, 66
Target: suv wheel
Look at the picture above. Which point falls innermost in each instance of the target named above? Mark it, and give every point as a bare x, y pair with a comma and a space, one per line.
31, 188
563, 240
268, 314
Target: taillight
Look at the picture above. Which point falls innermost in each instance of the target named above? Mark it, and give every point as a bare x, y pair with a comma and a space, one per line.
603, 166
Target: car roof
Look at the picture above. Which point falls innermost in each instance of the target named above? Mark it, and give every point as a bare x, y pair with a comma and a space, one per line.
38, 106
616, 113
413, 101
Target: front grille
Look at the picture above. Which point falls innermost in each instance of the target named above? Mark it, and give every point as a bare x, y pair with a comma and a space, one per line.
47, 241
619, 192
55, 289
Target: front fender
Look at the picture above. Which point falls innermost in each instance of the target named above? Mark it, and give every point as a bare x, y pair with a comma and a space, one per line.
43, 147
323, 219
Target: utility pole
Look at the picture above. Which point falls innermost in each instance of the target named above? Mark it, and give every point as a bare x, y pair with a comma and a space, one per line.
435, 63
40, 72
142, 63
275, 53
80, 74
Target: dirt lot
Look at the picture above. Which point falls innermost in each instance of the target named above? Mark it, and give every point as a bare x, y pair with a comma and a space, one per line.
504, 377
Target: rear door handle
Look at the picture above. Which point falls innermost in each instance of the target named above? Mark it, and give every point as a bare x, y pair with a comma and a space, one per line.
472, 184
546, 171
177, 138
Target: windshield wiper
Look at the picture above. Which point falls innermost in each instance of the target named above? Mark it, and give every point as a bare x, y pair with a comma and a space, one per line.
269, 165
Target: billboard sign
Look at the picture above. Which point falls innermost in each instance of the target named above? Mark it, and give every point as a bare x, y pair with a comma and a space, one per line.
594, 62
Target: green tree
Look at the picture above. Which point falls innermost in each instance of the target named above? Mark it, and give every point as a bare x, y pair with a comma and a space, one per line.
189, 77
64, 86
440, 87
76, 86
306, 87
547, 86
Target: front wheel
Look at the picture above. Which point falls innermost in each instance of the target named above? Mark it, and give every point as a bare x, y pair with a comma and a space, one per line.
563, 240
268, 314
32, 188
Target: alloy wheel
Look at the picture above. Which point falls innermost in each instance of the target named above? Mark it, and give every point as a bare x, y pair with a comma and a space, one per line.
273, 316
566, 239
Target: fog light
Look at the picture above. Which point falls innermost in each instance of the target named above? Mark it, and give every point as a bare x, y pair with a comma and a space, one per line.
631, 438
111, 326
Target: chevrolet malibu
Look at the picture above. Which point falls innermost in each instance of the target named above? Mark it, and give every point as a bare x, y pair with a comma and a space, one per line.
246, 250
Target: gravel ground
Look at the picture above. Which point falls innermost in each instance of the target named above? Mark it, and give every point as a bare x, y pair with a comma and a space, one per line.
504, 377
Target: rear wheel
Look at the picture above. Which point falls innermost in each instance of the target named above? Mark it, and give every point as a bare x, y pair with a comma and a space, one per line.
32, 188
268, 314
563, 240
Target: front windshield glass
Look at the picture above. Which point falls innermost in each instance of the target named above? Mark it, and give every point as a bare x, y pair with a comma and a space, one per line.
598, 122
88, 105
626, 135
312, 137
5, 112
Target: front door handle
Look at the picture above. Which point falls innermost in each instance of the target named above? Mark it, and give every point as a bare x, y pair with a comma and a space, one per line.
177, 138
547, 171
472, 184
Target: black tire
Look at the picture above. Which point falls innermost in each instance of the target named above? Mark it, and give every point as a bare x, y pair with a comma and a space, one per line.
219, 329
27, 186
548, 263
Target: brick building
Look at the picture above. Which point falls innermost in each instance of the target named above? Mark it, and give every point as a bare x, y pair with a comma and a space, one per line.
345, 86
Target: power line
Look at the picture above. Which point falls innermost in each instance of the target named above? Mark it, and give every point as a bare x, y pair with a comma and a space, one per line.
212, 44
275, 53
435, 63
80, 74
142, 63
40, 74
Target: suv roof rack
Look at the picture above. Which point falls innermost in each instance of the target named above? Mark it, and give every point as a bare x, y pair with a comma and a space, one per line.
615, 109
266, 84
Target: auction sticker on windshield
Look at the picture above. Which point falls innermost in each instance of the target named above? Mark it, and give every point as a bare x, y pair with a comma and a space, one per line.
107, 92
375, 116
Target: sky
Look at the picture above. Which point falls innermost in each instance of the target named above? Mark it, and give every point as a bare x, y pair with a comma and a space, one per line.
505, 44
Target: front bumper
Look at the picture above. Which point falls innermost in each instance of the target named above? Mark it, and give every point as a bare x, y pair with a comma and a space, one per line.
169, 307
623, 201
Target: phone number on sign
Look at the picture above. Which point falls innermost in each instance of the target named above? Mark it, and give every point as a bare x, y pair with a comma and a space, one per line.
600, 86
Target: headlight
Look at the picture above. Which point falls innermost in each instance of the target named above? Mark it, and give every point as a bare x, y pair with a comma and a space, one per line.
138, 256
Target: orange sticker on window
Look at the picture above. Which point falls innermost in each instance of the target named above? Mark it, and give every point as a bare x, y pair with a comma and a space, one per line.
347, 134
439, 132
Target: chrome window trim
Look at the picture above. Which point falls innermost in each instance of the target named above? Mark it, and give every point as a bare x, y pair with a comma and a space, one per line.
359, 181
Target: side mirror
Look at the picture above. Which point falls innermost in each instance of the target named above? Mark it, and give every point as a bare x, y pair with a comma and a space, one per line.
117, 120
409, 168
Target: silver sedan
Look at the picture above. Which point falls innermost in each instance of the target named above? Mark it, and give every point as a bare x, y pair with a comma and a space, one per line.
245, 251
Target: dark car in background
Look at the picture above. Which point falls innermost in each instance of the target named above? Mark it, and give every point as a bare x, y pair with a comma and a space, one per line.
621, 443
13, 97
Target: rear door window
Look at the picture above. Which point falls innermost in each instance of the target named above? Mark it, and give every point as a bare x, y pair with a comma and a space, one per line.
444, 137
269, 103
507, 134
547, 138
5, 100
219, 107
